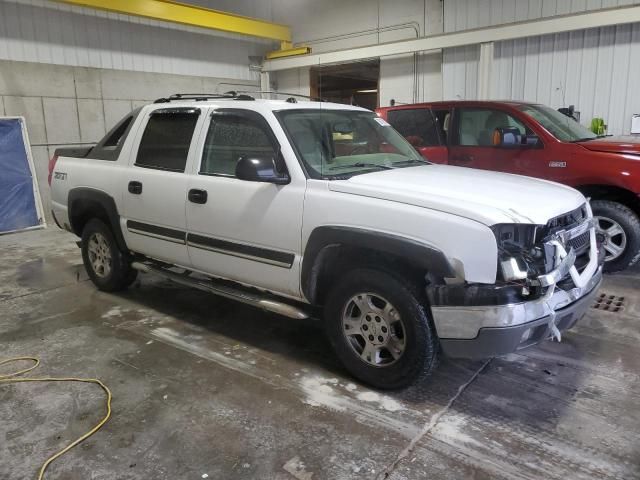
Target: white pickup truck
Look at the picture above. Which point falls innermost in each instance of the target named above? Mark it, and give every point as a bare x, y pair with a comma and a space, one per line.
307, 207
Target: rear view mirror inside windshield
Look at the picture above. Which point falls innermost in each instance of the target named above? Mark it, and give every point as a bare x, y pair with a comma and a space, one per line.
343, 128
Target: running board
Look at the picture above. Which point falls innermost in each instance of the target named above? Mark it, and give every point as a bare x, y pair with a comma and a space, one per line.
250, 298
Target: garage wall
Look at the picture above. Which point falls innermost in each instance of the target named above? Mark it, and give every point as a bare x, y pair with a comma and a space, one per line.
66, 106
336, 24
467, 14
48, 32
596, 70
592, 69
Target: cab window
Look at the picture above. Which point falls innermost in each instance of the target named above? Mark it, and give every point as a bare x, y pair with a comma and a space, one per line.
233, 135
166, 139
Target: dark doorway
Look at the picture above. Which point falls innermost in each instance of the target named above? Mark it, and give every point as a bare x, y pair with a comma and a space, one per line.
351, 83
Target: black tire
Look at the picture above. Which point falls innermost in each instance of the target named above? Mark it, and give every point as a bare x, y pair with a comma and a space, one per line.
630, 223
420, 341
119, 274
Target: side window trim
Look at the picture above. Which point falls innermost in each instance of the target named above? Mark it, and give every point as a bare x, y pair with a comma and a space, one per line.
101, 151
444, 141
238, 112
454, 128
443, 136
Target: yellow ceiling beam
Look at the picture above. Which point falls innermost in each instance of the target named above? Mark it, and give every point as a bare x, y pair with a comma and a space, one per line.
288, 52
169, 11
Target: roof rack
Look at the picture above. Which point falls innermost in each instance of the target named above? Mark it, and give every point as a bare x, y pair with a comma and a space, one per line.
201, 97
292, 96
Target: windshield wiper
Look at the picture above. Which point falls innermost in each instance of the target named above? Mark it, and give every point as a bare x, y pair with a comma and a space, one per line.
412, 160
584, 139
360, 165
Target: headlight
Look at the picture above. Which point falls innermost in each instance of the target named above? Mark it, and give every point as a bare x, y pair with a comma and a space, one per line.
518, 256
513, 270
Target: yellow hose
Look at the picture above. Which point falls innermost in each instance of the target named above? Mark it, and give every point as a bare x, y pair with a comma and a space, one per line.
9, 378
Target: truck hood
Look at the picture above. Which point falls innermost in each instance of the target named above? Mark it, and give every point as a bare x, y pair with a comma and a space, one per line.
628, 145
487, 197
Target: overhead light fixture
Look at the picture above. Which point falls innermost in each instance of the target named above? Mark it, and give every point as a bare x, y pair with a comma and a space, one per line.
373, 90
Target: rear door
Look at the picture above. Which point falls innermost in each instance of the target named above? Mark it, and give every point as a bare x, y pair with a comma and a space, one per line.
471, 141
155, 184
245, 231
420, 127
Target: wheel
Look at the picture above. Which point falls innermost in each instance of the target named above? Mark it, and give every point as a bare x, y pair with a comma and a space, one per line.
379, 327
106, 265
618, 228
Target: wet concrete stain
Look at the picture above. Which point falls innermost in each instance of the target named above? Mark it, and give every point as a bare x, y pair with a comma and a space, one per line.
206, 388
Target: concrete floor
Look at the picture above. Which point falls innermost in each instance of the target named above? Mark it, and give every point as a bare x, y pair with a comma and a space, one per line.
207, 388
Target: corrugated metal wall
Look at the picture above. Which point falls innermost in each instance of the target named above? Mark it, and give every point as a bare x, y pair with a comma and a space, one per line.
596, 70
47, 32
467, 14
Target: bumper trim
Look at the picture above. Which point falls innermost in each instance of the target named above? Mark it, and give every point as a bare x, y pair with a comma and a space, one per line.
465, 322
495, 341
560, 272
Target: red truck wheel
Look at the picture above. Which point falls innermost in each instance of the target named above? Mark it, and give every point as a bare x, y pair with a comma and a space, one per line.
618, 228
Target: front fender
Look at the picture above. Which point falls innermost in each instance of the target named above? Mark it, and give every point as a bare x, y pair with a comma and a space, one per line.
324, 238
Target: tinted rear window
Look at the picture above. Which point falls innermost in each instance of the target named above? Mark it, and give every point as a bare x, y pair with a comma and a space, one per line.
166, 140
417, 125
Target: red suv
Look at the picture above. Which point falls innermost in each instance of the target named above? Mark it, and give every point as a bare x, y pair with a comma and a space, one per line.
538, 141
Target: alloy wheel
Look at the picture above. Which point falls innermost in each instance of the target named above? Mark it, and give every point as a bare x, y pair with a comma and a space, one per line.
99, 255
373, 329
612, 236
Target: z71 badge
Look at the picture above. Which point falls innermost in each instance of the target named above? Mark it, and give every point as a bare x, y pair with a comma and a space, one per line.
59, 175
557, 164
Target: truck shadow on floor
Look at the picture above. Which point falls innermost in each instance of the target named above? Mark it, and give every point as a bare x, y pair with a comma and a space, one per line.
302, 345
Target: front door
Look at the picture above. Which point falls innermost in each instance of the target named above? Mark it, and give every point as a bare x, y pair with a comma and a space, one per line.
155, 185
471, 142
244, 231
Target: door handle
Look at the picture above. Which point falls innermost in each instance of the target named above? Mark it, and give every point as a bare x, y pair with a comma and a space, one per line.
197, 196
135, 187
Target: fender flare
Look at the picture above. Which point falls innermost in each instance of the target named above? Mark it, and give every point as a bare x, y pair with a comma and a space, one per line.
323, 239
81, 199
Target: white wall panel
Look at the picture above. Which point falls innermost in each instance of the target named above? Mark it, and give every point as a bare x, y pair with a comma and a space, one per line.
346, 24
596, 70
460, 72
47, 32
468, 14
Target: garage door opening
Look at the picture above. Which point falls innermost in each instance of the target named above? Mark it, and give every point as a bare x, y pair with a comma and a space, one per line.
352, 83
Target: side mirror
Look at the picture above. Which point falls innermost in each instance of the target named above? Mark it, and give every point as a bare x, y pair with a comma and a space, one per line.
532, 140
512, 138
260, 168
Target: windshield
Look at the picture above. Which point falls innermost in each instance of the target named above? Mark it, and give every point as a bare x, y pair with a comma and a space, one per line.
340, 143
564, 128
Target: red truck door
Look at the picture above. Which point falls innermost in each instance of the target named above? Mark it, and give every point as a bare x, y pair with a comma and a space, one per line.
471, 142
419, 127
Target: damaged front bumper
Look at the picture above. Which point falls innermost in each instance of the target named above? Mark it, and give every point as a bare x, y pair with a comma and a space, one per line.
487, 321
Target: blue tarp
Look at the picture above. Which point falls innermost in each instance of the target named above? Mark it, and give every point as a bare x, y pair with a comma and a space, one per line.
17, 201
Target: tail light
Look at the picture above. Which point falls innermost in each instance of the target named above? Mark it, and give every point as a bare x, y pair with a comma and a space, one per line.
52, 165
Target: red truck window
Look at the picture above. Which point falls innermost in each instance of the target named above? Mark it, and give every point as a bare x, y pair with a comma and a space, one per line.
476, 125
417, 125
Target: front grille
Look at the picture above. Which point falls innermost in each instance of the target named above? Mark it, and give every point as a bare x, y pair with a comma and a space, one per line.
567, 220
580, 243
